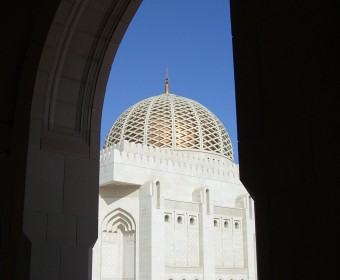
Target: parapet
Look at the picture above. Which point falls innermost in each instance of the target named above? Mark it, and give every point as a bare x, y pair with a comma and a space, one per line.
190, 162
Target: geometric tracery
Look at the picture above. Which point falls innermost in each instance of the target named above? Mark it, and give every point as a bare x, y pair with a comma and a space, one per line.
118, 246
116, 218
173, 122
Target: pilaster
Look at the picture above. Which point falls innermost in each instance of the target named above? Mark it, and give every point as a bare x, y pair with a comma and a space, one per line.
151, 253
207, 257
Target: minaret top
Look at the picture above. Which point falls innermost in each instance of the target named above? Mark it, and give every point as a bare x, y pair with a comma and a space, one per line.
167, 81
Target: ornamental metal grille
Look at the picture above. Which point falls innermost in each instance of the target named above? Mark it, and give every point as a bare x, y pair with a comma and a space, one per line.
174, 122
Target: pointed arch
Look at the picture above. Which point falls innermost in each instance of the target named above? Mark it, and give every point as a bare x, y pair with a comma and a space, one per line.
118, 217
118, 245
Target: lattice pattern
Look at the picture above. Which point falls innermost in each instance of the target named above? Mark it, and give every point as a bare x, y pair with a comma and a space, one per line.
193, 247
171, 121
180, 246
227, 148
115, 133
186, 123
135, 121
159, 125
218, 240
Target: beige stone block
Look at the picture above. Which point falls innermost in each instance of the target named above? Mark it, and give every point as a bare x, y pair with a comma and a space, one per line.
111, 52
104, 75
41, 82
45, 262
130, 11
101, 6
81, 186
87, 231
90, 20
47, 58
65, 115
99, 98
64, 12
74, 66
35, 134
35, 226
96, 120
61, 230
81, 43
68, 90
44, 181
75, 263
54, 35
37, 107
65, 143
95, 145
119, 32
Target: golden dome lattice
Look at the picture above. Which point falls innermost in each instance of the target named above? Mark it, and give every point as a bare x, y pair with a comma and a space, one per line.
173, 122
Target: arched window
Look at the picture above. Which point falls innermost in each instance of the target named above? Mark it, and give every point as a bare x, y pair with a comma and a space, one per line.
226, 224
179, 220
237, 226
158, 190
215, 223
167, 219
192, 221
207, 201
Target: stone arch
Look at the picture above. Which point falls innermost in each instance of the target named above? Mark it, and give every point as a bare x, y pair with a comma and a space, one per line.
27, 150
118, 246
69, 61
116, 217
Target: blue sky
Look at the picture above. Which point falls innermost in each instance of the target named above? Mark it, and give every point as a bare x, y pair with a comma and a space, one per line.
193, 39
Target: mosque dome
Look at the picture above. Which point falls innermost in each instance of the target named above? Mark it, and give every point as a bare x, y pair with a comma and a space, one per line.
173, 122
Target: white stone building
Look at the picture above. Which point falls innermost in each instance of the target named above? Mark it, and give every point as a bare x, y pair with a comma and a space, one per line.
171, 204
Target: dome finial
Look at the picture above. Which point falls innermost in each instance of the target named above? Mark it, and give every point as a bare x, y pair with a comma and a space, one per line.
166, 80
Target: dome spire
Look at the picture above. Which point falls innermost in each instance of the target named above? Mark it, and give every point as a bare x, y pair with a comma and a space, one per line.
166, 81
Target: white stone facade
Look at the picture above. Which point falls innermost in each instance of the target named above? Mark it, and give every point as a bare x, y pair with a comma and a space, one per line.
172, 214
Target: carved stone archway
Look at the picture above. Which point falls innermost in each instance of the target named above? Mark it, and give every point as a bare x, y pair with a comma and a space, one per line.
54, 211
118, 246
55, 63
